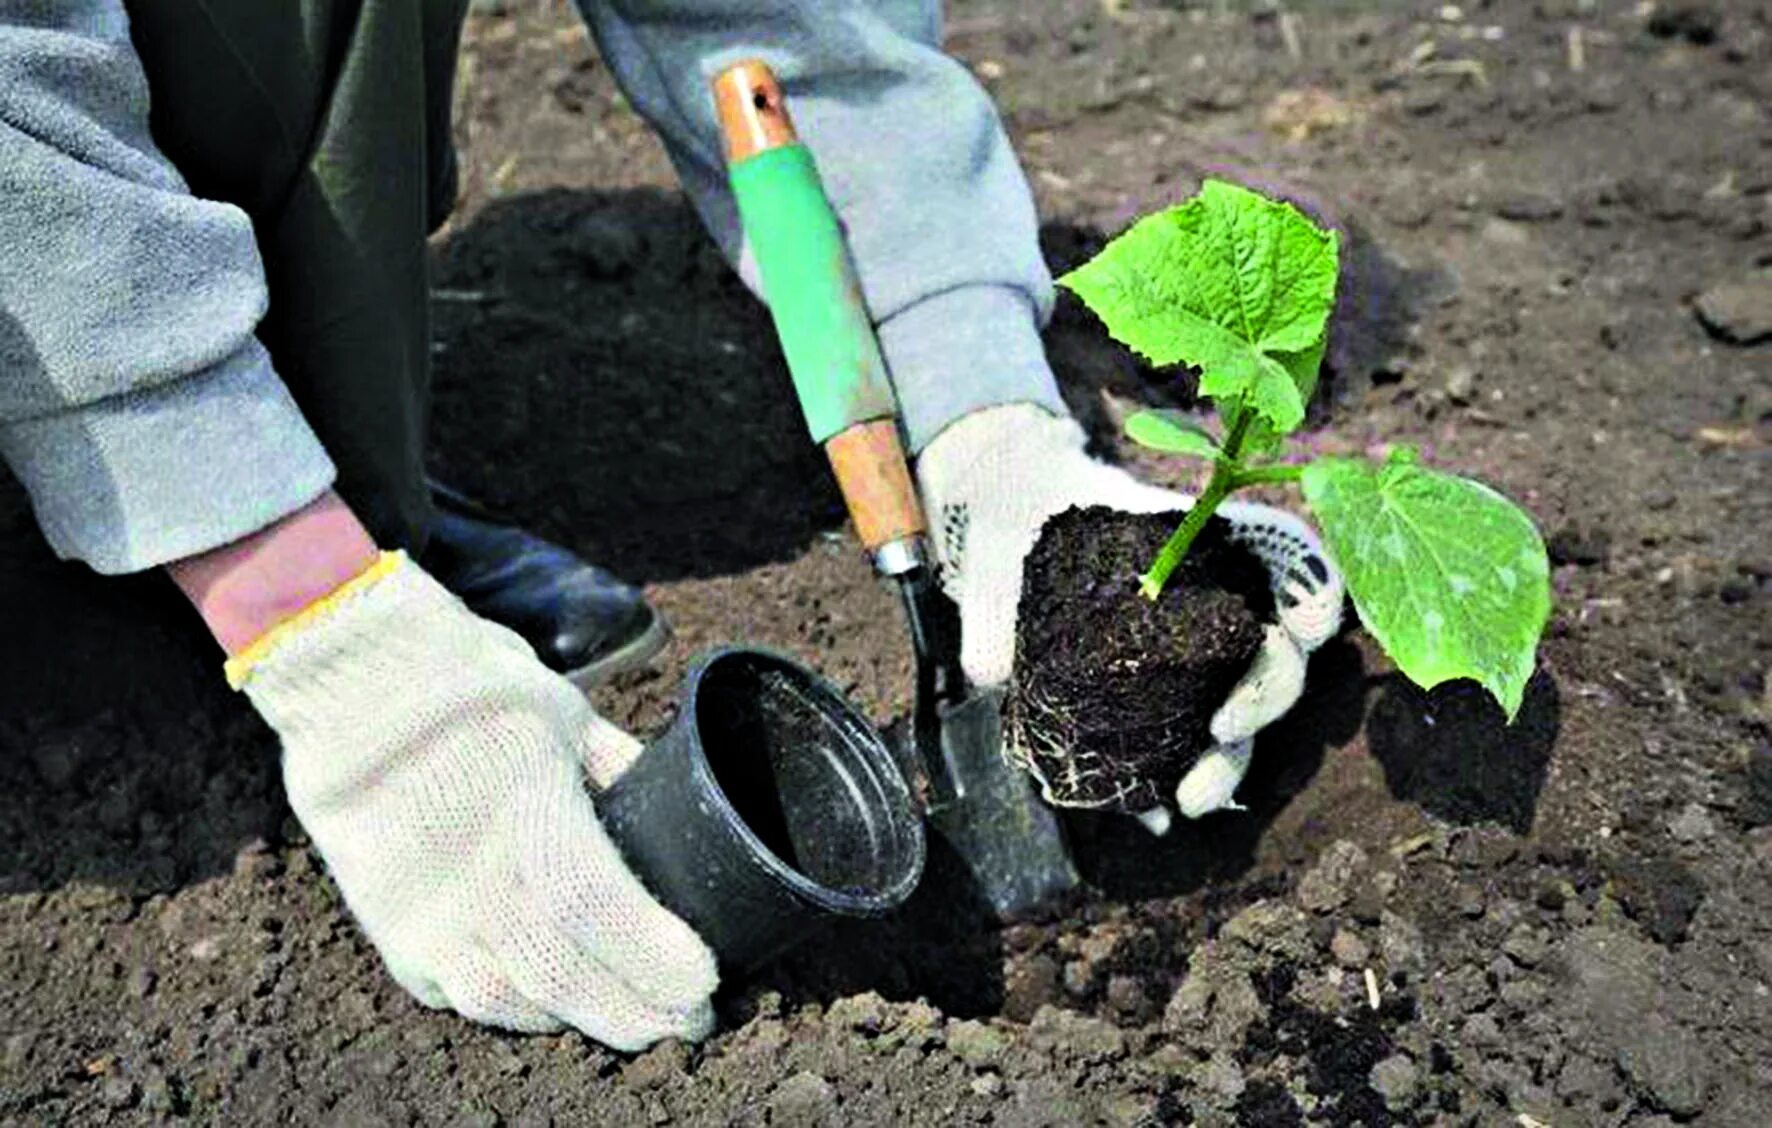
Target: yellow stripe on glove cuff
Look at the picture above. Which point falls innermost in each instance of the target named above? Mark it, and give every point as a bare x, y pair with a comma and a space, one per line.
239, 668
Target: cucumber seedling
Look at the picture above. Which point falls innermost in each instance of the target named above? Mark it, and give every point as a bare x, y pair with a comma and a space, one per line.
1449, 576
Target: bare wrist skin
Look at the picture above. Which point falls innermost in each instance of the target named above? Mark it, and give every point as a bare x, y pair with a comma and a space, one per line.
245, 588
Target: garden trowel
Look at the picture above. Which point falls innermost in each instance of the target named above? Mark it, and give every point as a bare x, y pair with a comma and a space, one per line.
1006, 837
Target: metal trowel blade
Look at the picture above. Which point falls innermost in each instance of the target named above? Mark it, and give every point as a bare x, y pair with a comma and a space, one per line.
988, 811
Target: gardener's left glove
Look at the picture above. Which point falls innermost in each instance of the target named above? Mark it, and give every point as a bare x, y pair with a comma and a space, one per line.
992, 479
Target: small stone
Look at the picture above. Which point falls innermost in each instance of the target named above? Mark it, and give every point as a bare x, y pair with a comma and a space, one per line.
976, 1043
803, 1098
206, 949
1738, 312
987, 1084
1349, 950
1326, 885
1692, 824
1398, 1081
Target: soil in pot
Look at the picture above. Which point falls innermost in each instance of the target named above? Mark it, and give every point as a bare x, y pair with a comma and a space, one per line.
1112, 694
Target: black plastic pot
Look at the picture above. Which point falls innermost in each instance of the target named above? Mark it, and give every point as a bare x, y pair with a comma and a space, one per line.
770, 805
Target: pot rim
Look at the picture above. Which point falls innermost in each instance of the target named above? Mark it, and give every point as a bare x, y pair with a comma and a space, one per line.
836, 709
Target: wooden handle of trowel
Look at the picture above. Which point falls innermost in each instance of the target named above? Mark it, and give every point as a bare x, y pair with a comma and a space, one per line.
867, 457
869, 462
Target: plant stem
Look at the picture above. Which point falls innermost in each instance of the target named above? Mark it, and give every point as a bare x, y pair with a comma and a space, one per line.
1220, 486
1227, 475
1266, 475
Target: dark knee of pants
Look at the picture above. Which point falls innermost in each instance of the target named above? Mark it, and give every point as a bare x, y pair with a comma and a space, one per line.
246, 100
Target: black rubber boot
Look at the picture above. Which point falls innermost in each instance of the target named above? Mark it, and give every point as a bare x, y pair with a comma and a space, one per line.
582, 621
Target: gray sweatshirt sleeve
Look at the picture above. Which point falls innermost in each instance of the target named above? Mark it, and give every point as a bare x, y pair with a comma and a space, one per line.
938, 214
136, 406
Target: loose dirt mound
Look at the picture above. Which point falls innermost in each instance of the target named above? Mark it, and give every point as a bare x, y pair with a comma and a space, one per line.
1569, 919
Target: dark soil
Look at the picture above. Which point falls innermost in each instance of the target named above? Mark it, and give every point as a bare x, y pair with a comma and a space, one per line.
1569, 918
1113, 693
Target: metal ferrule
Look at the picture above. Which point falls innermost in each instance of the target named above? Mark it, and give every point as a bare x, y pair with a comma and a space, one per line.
906, 554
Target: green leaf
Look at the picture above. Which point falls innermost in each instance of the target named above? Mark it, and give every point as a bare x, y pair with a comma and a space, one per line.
1172, 433
1261, 438
1450, 577
1230, 282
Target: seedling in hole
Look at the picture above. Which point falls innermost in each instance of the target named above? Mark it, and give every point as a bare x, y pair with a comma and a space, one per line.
1450, 577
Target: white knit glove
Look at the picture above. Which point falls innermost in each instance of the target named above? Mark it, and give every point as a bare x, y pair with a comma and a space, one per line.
440, 769
991, 480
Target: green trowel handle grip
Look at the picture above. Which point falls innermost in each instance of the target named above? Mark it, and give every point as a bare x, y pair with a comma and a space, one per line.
820, 318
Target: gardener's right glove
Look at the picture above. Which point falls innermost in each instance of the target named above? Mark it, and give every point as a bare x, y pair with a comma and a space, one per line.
992, 479
439, 768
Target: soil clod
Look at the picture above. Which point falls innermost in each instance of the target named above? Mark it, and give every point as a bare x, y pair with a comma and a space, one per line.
1113, 694
1739, 312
